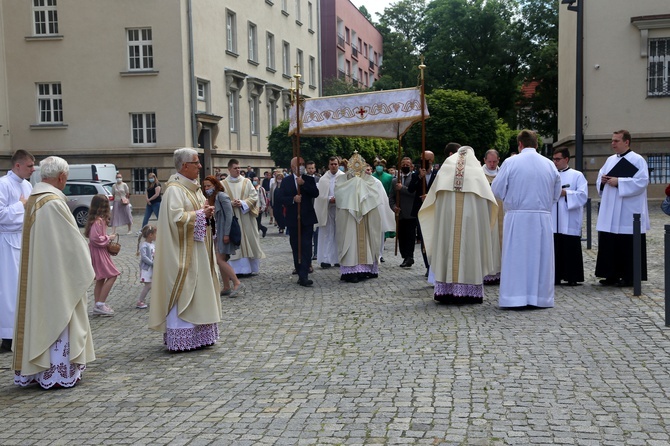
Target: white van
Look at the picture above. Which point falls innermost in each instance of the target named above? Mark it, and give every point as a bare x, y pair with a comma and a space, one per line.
83, 172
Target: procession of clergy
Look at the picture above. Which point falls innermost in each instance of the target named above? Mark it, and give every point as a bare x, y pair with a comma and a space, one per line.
460, 207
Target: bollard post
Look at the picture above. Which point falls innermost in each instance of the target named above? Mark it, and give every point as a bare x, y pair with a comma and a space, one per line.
588, 223
667, 275
637, 256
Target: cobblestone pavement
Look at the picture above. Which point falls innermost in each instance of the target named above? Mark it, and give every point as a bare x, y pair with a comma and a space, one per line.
370, 363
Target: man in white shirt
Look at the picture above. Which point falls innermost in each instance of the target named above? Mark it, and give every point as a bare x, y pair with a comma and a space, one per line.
14, 191
529, 185
566, 221
623, 192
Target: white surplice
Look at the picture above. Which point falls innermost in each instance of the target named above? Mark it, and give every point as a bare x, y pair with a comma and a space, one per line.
247, 259
528, 184
618, 204
566, 213
12, 187
325, 214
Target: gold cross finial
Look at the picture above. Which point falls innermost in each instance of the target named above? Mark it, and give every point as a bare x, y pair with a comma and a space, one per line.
421, 65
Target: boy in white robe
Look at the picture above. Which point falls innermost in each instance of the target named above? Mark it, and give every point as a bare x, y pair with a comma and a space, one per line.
566, 221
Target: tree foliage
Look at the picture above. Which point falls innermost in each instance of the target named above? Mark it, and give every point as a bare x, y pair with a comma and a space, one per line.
488, 47
457, 116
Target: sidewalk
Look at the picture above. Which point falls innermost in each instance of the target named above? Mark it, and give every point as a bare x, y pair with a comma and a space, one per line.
376, 362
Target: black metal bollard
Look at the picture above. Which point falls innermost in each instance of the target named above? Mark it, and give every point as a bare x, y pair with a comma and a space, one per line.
588, 223
667, 275
637, 256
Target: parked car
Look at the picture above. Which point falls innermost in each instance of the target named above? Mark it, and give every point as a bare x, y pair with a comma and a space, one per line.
79, 195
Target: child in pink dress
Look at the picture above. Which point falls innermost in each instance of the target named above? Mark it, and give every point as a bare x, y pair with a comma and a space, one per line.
105, 271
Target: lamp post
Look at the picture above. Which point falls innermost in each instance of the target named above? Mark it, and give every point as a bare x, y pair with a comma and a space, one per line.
579, 82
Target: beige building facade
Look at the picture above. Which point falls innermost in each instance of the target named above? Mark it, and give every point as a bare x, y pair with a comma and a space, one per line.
127, 81
626, 83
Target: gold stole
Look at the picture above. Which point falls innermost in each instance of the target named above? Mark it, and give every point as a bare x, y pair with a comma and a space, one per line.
185, 229
34, 203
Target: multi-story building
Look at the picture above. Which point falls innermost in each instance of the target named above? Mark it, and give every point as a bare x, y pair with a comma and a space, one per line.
351, 47
626, 83
127, 82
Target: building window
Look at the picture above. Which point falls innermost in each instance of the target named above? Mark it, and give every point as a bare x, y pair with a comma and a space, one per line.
286, 59
202, 91
49, 103
659, 168
233, 110
298, 15
253, 43
301, 66
231, 32
140, 49
253, 115
143, 127
310, 20
46, 17
284, 7
139, 178
659, 67
272, 116
270, 50
312, 71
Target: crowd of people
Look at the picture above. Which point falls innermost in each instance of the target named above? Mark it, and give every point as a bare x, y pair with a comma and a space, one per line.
517, 224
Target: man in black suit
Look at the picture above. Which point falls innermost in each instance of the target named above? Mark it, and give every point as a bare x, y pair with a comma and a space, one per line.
289, 196
407, 209
425, 175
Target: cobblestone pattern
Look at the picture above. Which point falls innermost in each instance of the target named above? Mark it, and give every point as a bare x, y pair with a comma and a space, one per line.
376, 362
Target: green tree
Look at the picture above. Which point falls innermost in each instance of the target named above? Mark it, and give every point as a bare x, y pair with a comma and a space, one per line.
400, 27
363, 10
540, 112
456, 116
477, 46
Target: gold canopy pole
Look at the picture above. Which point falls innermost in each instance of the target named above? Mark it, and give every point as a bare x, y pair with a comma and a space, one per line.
397, 191
297, 151
423, 124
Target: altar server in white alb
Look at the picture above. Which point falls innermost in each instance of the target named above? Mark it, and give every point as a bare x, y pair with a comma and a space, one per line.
325, 208
566, 221
529, 185
622, 185
14, 191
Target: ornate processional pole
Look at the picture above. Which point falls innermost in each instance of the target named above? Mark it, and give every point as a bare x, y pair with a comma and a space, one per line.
296, 150
423, 124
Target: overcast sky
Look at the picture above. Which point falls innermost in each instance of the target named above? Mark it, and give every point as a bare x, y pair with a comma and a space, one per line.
373, 6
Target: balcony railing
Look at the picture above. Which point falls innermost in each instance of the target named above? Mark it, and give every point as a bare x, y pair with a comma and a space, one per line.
354, 52
340, 41
372, 65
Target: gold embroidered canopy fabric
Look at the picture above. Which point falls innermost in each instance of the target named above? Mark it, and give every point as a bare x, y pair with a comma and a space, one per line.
383, 114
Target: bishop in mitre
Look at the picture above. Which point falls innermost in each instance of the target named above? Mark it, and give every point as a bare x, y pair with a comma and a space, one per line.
456, 220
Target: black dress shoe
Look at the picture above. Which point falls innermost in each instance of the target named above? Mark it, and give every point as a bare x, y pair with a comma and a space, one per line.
265, 231
407, 263
608, 282
624, 283
6, 345
381, 260
295, 271
351, 278
325, 265
306, 282
337, 265
572, 284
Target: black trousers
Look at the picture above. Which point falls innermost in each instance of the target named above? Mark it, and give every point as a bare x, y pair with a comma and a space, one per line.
615, 256
306, 234
569, 264
407, 237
